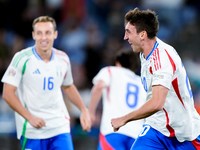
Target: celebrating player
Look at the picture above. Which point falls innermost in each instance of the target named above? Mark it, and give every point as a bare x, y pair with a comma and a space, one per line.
172, 122
122, 92
32, 88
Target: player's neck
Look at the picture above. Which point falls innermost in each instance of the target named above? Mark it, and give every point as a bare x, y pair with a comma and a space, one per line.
148, 47
117, 64
45, 54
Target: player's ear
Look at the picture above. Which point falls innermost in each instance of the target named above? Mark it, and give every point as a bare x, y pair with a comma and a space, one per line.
33, 35
143, 34
55, 34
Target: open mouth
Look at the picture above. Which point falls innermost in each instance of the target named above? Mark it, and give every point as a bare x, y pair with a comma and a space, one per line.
44, 44
130, 43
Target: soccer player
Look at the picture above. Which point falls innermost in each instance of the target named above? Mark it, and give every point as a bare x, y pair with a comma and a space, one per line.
32, 88
122, 92
172, 123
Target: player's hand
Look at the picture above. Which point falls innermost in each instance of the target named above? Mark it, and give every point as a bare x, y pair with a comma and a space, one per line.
92, 117
85, 120
117, 123
37, 122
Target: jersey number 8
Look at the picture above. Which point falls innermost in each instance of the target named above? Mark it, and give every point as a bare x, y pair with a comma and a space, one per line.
132, 92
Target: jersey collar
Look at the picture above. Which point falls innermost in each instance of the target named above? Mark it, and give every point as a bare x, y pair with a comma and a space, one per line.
154, 47
38, 56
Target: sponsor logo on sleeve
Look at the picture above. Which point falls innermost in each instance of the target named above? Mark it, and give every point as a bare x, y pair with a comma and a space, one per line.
159, 76
12, 72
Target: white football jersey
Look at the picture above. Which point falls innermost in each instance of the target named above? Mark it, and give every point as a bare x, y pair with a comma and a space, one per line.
39, 90
123, 94
178, 118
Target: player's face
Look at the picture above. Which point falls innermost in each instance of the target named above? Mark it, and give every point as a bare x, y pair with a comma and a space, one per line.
133, 37
44, 35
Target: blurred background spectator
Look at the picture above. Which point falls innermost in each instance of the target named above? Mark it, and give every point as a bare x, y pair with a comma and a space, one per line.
91, 32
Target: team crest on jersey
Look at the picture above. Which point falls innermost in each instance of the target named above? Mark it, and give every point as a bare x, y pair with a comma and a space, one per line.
12, 72
147, 71
59, 71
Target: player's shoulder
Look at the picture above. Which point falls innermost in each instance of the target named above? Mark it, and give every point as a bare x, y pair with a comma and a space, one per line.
25, 52
138, 77
60, 53
163, 47
116, 71
162, 52
109, 69
22, 56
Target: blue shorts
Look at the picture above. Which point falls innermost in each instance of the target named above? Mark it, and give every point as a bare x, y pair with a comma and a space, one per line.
152, 139
59, 142
115, 141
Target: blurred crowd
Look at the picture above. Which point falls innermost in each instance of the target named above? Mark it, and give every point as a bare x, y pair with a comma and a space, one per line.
91, 32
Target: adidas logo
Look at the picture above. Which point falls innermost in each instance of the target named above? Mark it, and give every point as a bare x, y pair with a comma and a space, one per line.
37, 71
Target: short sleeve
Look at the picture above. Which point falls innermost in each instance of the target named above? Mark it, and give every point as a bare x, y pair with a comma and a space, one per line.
162, 69
103, 75
68, 79
13, 73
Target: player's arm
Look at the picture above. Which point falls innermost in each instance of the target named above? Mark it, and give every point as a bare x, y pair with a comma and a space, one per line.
10, 97
96, 95
155, 104
74, 96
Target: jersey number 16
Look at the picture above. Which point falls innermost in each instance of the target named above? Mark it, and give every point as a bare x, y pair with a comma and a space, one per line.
48, 83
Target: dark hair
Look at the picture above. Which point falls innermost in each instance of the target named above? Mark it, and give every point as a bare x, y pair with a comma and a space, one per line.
44, 19
128, 59
145, 20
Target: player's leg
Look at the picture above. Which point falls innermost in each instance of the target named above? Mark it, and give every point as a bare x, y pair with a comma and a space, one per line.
152, 139
196, 143
61, 142
172, 143
148, 139
115, 141
99, 146
103, 143
186, 145
33, 144
119, 141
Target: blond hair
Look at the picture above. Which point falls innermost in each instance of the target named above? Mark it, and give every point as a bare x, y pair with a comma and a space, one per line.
44, 19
